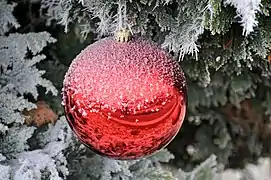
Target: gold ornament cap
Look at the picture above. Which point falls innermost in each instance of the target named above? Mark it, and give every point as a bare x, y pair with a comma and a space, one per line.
123, 35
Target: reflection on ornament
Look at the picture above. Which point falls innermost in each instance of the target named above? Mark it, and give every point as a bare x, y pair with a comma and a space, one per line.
124, 100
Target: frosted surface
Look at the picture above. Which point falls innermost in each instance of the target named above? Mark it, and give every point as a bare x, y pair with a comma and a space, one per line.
123, 75
124, 100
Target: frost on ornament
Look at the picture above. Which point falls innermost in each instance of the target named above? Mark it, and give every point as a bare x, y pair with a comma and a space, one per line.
124, 100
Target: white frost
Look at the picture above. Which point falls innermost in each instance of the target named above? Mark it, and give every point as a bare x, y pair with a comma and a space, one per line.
246, 10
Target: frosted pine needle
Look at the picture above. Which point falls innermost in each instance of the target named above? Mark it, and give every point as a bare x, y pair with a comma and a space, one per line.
246, 10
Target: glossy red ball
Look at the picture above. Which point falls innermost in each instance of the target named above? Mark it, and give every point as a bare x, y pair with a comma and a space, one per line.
124, 100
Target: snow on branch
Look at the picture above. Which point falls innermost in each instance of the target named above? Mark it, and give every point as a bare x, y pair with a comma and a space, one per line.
5, 172
183, 37
261, 170
48, 162
7, 19
10, 107
246, 10
206, 170
19, 73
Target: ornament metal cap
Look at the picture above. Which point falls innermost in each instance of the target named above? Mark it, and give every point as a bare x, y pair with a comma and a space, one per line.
123, 35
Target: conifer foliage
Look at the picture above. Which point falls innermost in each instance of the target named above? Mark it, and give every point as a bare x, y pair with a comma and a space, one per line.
223, 46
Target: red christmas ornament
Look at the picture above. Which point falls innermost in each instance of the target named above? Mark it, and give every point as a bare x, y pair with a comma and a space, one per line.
124, 100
